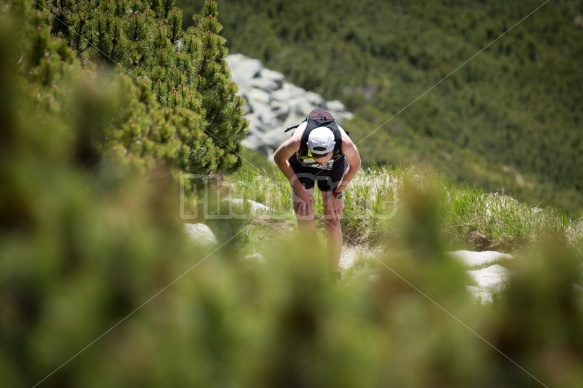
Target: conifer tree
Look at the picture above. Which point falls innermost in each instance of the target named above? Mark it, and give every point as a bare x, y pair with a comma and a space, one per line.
195, 120
214, 84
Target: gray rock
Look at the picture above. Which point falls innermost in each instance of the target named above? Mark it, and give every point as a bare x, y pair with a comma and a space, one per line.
272, 105
273, 139
243, 69
490, 278
335, 106
280, 110
301, 106
254, 206
251, 142
288, 91
274, 76
258, 97
266, 84
479, 259
200, 234
480, 295
315, 99
267, 119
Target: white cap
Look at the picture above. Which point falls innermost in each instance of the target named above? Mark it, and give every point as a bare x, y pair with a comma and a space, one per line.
321, 140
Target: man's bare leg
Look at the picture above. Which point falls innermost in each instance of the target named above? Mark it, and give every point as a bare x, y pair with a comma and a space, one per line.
304, 215
334, 233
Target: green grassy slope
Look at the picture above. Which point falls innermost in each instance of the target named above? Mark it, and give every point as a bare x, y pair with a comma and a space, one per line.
509, 119
470, 218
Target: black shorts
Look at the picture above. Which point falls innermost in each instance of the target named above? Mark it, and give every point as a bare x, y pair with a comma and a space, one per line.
327, 180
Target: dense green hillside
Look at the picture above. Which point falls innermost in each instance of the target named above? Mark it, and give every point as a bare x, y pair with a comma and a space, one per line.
480, 90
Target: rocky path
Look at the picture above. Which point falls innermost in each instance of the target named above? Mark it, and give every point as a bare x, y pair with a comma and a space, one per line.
488, 269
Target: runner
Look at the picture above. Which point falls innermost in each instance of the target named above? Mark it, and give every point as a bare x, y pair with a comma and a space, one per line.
320, 151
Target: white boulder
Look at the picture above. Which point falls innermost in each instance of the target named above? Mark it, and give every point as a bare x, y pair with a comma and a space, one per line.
490, 278
200, 234
479, 259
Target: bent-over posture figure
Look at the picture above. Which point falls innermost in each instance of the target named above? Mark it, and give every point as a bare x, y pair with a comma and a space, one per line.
319, 151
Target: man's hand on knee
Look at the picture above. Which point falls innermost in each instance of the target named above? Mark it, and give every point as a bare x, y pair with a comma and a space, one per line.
333, 207
303, 200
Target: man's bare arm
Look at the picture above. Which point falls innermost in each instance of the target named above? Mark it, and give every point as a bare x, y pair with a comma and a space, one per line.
281, 156
283, 153
352, 157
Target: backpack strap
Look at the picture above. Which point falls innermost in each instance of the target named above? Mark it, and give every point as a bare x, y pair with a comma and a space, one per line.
295, 126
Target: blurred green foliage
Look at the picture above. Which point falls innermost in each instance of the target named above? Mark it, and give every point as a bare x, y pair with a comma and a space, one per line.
509, 119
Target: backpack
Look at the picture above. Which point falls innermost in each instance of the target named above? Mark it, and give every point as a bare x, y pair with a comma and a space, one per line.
319, 118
